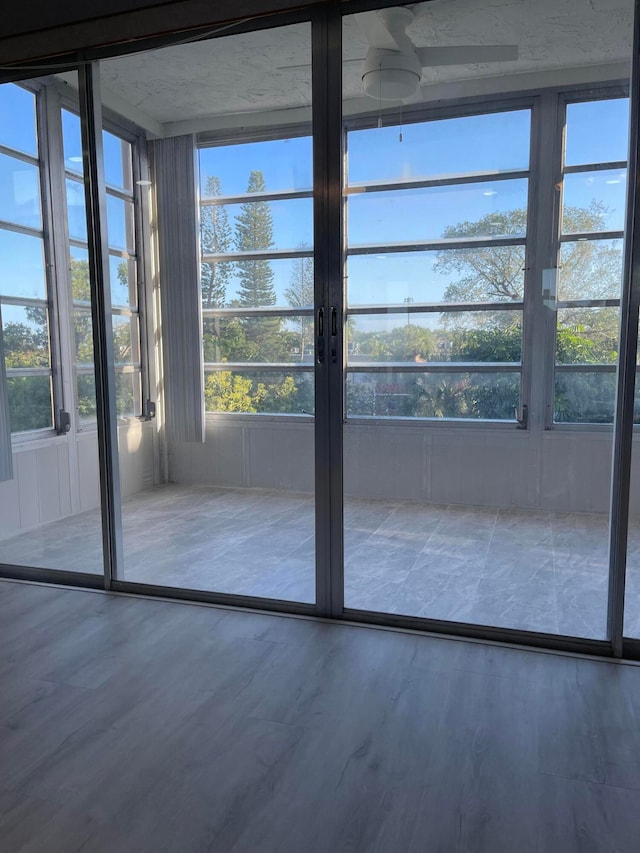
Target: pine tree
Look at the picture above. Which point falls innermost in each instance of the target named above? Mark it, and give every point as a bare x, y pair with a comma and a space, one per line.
215, 238
254, 232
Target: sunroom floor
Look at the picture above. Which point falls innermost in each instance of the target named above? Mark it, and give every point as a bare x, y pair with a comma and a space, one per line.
524, 569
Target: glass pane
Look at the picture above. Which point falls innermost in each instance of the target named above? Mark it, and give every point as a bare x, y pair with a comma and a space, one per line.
597, 132
436, 395
587, 335
71, 142
283, 282
86, 397
590, 269
56, 523
79, 267
481, 336
437, 148
594, 201
18, 119
487, 210
266, 392
19, 192
584, 398
125, 333
245, 510
29, 403
120, 223
22, 268
284, 164
117, 161
25, 332
122, 277
493, 524
259, 339
76, 214
264, 225
128, 394
489, 274
83, 339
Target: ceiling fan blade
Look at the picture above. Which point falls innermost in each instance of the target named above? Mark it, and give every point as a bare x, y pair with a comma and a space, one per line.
376, 32
308, 64
466, 54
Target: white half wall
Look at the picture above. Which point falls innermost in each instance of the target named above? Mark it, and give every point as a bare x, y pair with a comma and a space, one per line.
56, 477
560, 470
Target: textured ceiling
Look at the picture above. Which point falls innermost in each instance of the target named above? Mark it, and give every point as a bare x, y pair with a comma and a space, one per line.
252, 73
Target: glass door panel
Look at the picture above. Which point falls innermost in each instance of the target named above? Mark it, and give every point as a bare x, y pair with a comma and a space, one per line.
484, 194
50, 509
234, 511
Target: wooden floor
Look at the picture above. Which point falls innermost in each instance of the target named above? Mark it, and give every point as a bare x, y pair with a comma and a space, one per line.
136, 725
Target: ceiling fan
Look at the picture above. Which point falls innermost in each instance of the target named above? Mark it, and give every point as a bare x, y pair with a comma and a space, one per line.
392, 68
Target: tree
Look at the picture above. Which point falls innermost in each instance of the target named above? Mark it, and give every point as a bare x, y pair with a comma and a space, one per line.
254, 231
299, 294
215, 238
589, 269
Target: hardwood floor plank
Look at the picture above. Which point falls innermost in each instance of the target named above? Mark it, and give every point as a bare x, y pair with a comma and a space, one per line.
131, 725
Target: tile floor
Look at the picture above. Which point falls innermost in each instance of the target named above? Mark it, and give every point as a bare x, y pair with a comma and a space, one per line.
524, 569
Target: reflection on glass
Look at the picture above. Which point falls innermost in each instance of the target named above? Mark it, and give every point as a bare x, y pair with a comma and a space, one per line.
480, 336
437, 395
86, 397
490, 210
19, 192
117, 161
83, 336
124, 338
584, 397
583, 146
22, 267
122, 278
120, 223
29, 403
594, 201
393, 278
76, 214
590, 269
265, 392
434, 149
127, 394
25, 333
71, 142
18, 119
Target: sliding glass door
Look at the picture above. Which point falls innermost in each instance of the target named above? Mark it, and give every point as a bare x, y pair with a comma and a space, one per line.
218, 484
347, 355
484, 209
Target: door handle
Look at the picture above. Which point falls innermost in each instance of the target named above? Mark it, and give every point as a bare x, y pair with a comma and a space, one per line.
320, 338
334, 334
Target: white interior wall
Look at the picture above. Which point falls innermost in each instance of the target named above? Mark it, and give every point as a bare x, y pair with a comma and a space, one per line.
561, 471
57, 477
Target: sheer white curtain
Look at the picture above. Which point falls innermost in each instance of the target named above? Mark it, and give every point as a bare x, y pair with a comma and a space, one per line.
6, 457
179, 278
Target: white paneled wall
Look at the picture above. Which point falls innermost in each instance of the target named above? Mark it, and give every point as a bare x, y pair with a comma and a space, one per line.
560, 470
58, 476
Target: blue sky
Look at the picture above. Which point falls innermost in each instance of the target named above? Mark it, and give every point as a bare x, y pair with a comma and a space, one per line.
596, 132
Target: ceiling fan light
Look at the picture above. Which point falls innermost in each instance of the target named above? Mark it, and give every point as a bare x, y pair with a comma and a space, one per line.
390, 75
